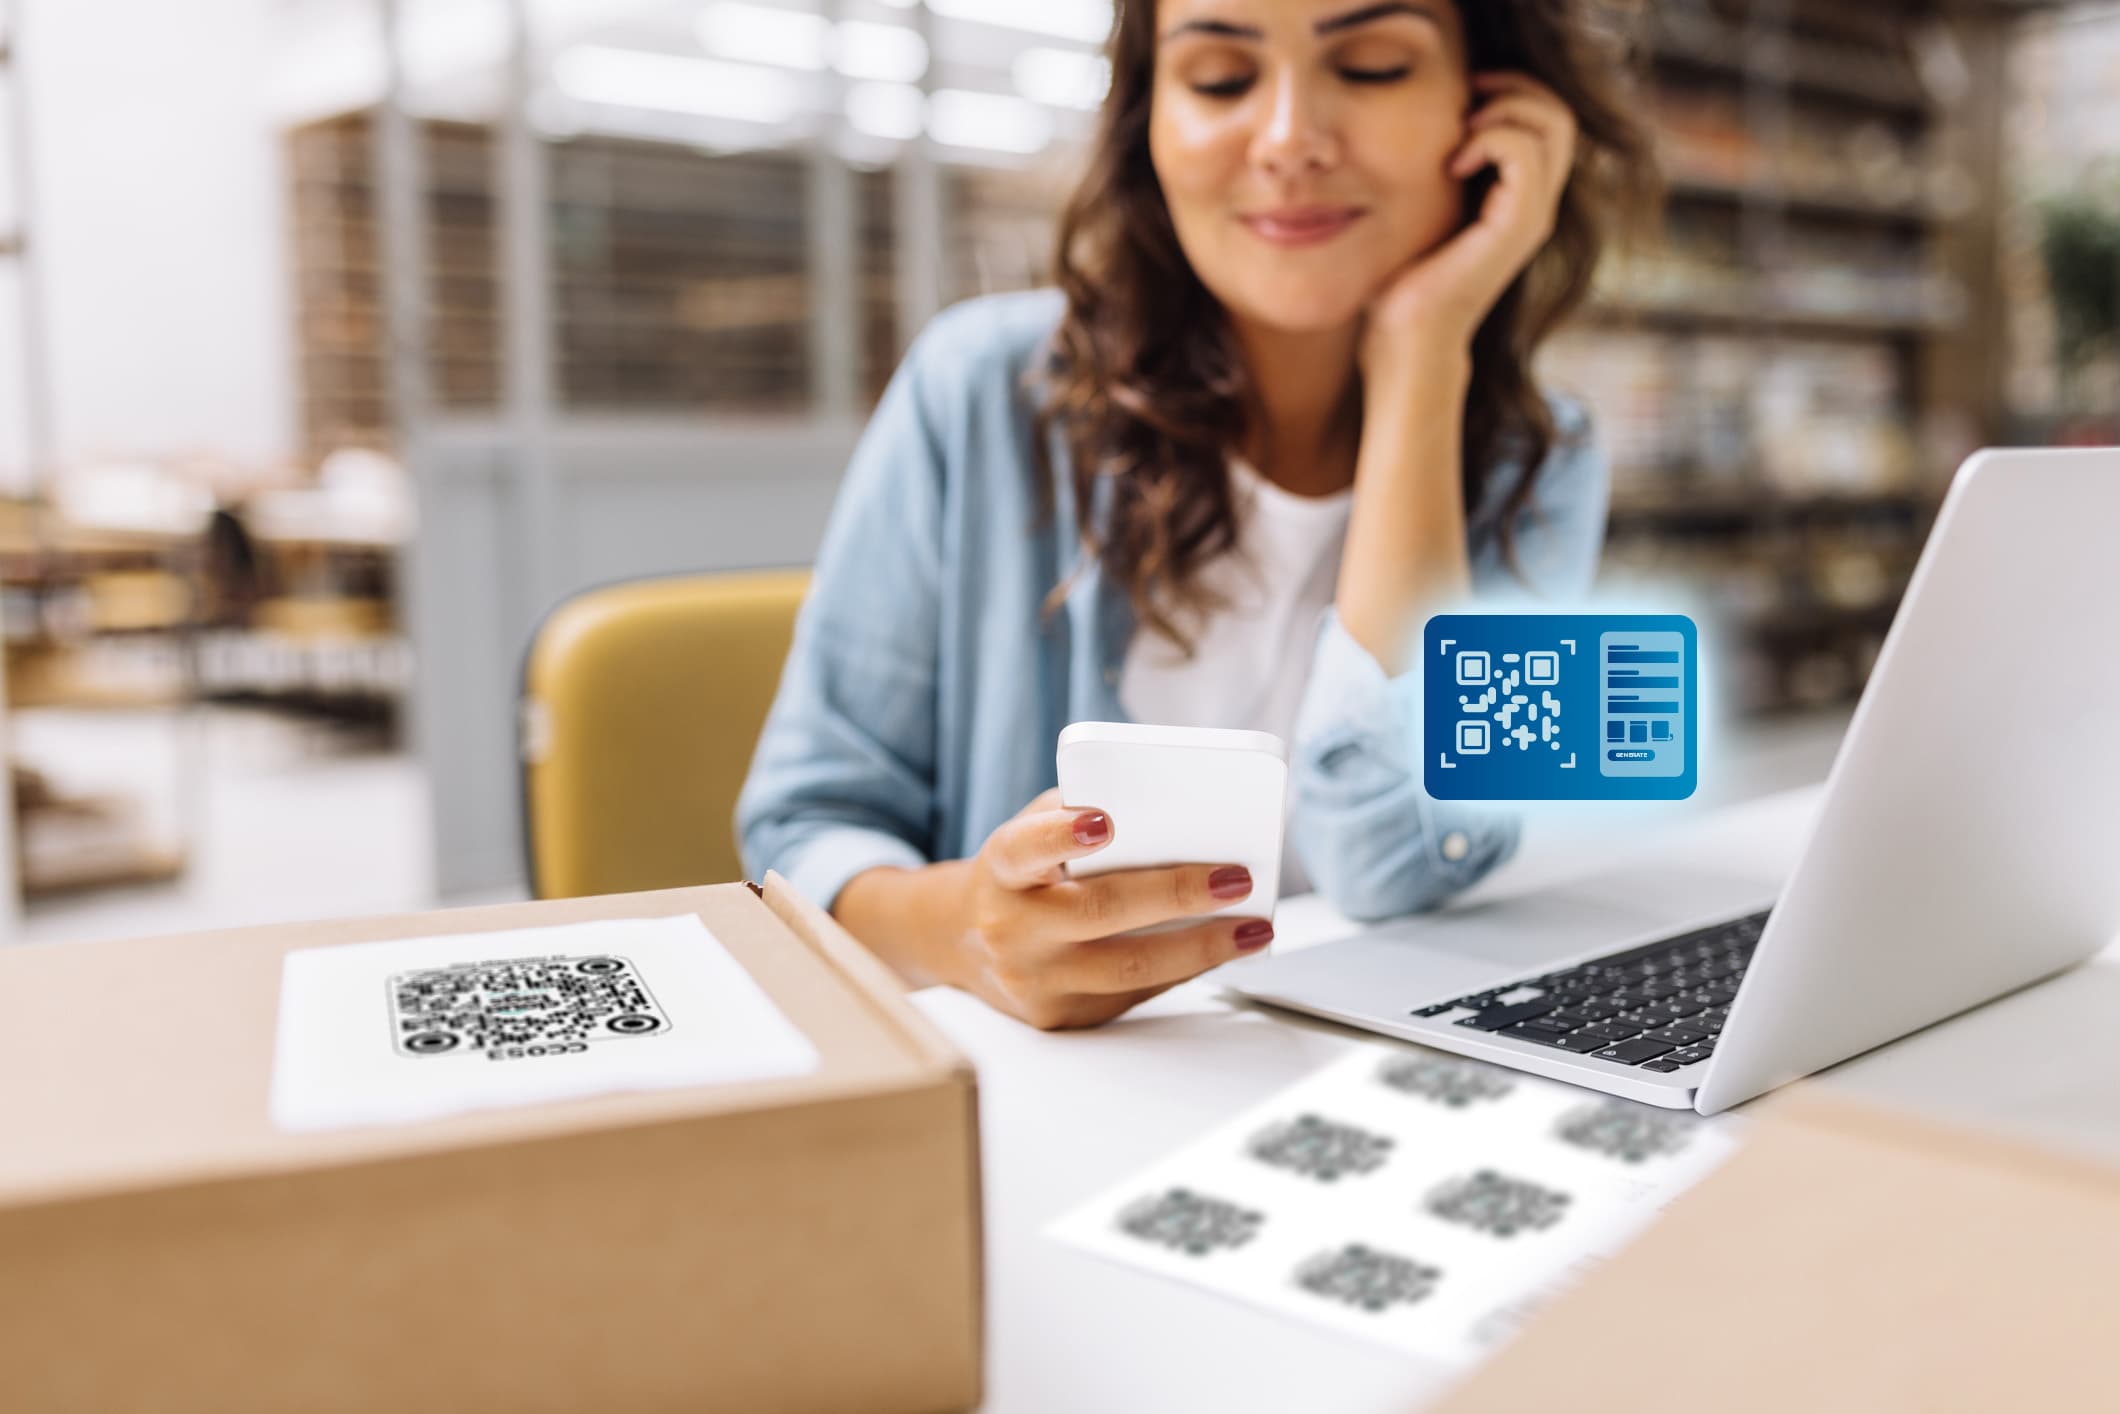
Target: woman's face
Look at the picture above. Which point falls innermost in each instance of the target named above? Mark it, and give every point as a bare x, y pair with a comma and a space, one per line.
1301, 146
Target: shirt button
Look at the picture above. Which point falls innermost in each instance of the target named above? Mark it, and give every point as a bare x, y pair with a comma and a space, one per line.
1456, 846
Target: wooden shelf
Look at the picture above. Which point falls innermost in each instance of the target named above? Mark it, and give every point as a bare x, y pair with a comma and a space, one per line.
1827, 201
1700, 503
1735, 316
1808, 620
120, 866
1876, 79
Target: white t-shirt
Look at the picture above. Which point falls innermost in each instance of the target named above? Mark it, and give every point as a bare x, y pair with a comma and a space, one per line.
1251, 659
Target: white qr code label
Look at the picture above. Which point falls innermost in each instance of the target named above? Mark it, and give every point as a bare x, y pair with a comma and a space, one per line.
520, 1007
419, 1028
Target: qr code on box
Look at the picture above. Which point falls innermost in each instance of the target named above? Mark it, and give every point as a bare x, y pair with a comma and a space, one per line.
1318, 1148
1494, 1203
1189, 1222
520, 1007
1445, 1080
1367, 1279
1622, 1129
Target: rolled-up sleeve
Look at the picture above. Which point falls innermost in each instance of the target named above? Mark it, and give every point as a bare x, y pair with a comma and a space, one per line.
843, 777
1372, 839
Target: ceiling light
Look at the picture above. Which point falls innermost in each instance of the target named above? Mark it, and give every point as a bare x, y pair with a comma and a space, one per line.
714, 88
862, 49
998, 122
1064, 78
885, 110
1087, 20
765, 34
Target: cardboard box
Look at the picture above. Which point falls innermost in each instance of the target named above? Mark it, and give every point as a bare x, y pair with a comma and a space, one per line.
1847, 1259
804, 1243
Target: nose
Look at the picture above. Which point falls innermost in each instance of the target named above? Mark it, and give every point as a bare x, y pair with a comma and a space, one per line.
1298, 134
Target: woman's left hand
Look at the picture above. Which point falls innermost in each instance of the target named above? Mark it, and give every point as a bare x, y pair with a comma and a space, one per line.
1527, 134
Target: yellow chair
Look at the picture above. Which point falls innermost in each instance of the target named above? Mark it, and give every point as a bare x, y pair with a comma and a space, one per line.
642, 705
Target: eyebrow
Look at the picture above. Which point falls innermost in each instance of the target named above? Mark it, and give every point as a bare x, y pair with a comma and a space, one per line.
1331, 25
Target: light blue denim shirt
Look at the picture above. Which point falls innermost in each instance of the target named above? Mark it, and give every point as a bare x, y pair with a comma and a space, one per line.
924, 692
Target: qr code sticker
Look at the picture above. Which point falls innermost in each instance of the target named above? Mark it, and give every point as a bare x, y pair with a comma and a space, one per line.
521, 1007
1446, 1080
1319, 1148
1366, 1279
1624, 1130
1496, 1204
1189, 1222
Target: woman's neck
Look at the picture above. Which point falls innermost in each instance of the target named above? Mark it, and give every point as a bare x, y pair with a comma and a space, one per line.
1307, 398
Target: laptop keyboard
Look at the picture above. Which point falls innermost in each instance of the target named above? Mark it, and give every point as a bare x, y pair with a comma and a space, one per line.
1660, 1006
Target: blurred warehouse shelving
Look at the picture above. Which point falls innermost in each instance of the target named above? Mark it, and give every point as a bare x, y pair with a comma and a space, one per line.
680, 277
1785, 381
130, 594
100, 617
1780, 380
651, 267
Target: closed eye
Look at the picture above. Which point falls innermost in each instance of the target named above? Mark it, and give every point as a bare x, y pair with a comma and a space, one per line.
1224, 88
1376, 75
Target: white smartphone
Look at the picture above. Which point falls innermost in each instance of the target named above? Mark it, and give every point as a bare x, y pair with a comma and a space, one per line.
1181, 795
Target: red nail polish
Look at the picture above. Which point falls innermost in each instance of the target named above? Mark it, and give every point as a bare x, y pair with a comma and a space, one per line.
1093, 828
1230, 881
1254, 934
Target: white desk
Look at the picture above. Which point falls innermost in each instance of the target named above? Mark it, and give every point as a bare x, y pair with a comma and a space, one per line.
1064, 1115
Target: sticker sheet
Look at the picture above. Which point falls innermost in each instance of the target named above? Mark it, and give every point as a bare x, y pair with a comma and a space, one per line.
418, 1028
1409, 1196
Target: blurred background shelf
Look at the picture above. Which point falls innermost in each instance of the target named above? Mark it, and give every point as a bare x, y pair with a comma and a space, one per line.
1880, 249
1786, 379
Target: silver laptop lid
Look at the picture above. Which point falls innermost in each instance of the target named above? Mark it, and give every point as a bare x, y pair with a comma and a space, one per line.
1969, 838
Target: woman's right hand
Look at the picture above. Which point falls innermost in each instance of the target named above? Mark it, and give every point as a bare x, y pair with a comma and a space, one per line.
1042, 946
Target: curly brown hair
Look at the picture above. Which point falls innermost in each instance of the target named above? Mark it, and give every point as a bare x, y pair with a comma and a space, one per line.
1145, 384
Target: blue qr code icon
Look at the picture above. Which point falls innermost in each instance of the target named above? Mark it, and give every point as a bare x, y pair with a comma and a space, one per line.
1559, 707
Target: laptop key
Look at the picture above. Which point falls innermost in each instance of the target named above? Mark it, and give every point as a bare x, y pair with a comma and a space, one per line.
1533, 1031
1633, 1052
1495, 1018
1437, 1010
1660, 1065
1611, 1030
1687, 1055
1578, 1042
1678, 1034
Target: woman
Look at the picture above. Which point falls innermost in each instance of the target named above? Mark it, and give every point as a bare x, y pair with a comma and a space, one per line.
1278, 410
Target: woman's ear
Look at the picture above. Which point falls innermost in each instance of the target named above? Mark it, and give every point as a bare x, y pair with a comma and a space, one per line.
1474, 195
1472, 190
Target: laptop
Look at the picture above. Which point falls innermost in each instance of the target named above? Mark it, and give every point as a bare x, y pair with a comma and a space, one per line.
1967, 844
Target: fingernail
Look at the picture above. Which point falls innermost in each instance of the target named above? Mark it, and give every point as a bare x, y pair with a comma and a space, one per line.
1253, 935
1093, 828
1230, 881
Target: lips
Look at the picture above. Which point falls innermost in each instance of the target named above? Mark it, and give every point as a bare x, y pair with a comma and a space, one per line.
1301, 225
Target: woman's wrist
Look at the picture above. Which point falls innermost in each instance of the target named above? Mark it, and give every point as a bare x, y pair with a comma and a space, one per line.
1406, 543
911, 918
1422, 377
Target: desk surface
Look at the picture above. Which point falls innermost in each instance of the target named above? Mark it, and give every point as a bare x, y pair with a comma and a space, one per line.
1064, 1115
